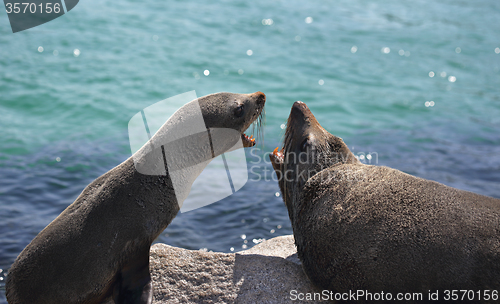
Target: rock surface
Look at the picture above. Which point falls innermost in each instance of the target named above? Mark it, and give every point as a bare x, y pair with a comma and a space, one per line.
266, 273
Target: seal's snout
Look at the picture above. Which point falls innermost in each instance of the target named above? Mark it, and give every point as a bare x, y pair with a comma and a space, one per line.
260, 97
299, 104
300, 108
300, 111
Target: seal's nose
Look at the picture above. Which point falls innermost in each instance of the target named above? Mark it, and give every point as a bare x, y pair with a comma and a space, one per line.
261, 97
299, 105
300, 110
300, 113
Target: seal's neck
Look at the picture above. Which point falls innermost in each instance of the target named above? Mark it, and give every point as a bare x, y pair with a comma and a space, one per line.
175, 150
182, 148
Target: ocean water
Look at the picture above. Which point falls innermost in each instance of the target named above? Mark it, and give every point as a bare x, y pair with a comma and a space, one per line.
415, 85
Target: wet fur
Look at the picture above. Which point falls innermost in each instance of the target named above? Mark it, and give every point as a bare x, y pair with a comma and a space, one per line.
363, 227
97, 250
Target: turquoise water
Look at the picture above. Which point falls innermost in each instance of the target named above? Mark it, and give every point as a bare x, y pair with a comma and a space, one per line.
363, 67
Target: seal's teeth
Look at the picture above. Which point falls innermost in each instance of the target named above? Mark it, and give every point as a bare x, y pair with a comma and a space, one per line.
247, 141
278, 155
249, 138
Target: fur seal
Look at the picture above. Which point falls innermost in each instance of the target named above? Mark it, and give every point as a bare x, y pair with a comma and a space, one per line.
373, 228
97, 250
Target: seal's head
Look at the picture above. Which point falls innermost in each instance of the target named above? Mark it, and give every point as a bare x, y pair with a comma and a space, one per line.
199, 131
307, 149
233, 111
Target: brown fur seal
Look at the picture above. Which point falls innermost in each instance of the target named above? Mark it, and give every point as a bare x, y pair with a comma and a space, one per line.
377, 229
97, 250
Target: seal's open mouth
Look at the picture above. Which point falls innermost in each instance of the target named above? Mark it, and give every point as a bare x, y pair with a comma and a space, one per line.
299, 114
277, 158
248, 141
257, 118
278, 155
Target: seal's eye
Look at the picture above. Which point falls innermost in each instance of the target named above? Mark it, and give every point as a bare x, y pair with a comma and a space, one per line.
239, 111
305, 144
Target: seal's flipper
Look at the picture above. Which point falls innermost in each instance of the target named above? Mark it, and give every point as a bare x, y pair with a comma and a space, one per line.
147, 294
133, 283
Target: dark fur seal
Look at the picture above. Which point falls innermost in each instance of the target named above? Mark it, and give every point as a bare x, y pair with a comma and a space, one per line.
364, 227
97, 250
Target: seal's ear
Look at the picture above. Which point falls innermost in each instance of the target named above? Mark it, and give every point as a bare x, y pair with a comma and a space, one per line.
306, 143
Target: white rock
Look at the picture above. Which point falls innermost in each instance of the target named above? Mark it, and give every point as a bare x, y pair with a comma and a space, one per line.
266, 273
